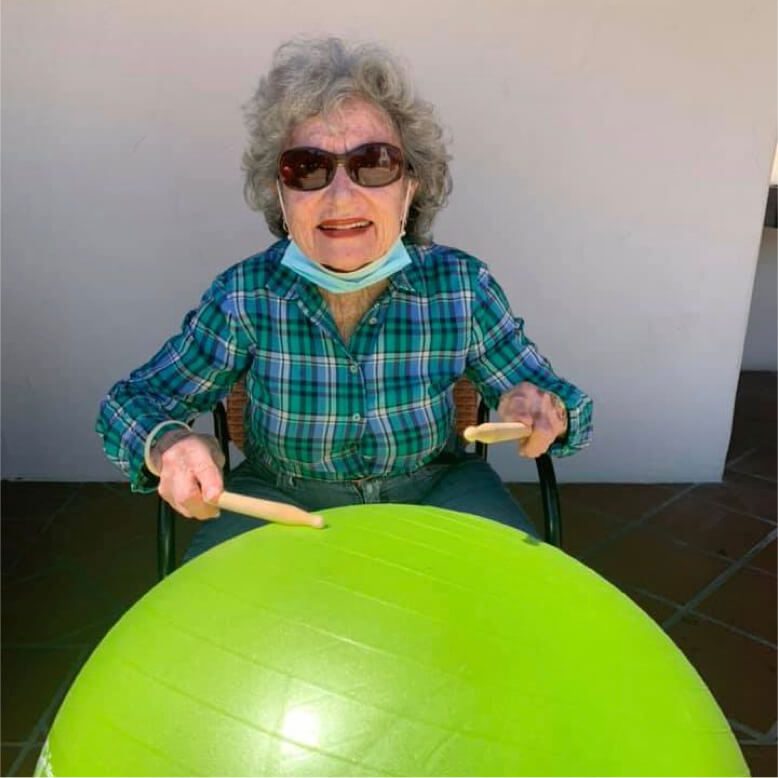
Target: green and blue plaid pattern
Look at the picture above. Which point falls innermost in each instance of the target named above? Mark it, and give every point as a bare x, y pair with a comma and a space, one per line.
379, 405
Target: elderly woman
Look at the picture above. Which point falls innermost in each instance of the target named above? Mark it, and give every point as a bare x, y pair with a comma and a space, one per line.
350, 331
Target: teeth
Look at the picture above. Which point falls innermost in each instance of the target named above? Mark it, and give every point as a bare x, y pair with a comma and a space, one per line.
352, 226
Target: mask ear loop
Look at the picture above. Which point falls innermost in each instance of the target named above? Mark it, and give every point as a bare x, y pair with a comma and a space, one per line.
406, 209
284, 222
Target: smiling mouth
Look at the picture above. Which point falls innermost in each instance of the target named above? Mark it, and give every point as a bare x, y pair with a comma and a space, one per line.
344, 228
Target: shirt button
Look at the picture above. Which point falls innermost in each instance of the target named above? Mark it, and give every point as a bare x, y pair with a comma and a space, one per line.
373, 320
353, 368
356, 417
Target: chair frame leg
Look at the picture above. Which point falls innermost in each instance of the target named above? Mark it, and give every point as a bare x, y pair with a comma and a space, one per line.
550, 497
166, 539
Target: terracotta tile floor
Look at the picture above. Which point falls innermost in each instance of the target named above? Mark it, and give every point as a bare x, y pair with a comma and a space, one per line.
699, 558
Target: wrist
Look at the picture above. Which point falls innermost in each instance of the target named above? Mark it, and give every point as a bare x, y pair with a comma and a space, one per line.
170, 438
162, 432
561, 410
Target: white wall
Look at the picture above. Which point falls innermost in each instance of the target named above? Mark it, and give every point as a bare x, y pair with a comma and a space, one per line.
611, 163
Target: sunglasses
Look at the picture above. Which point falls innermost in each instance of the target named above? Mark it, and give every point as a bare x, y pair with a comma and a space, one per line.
372, 165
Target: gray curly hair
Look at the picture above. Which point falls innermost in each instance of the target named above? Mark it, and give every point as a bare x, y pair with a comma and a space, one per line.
309, 77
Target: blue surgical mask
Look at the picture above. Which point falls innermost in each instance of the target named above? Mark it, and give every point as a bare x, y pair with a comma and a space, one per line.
395, 259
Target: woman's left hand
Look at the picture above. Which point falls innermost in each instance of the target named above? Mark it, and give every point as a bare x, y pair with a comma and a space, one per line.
542, 411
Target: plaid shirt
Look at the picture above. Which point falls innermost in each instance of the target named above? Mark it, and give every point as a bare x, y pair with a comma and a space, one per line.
378, 405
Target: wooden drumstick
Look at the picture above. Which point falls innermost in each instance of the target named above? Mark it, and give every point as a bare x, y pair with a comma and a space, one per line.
497, 432
269, 510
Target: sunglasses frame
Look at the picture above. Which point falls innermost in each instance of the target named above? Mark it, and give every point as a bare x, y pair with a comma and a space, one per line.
344, 161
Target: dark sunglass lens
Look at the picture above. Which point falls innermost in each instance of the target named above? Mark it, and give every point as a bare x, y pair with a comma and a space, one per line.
305, 169
375, 164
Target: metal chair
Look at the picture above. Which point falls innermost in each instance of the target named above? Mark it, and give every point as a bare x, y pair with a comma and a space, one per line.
470, 409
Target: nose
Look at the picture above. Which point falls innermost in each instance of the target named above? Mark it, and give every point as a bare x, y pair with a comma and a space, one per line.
341, 183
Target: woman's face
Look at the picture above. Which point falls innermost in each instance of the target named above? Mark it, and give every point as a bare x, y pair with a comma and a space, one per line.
368, 217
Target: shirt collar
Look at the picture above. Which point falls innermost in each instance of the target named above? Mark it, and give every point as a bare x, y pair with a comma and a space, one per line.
281, 281
409, 279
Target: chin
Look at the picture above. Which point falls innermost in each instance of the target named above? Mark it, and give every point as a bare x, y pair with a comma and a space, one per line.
344, 267
348, 258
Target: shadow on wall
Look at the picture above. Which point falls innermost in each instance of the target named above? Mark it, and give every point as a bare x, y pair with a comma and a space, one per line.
760, 350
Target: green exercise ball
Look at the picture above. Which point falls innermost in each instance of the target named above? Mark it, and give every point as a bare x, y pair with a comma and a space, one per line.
400, 640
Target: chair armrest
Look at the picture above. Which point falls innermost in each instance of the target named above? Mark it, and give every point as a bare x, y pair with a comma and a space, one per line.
550, 497
166, 539
221, 432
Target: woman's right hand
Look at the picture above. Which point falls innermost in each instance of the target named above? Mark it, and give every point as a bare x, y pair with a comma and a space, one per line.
190, 472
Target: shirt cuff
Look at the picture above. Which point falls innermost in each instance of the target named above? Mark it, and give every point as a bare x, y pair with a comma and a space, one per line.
154, 436
579, 430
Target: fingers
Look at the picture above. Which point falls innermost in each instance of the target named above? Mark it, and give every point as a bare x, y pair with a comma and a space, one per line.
190, 480
196, 508
184, 493
536, 409
539, 441
209, 478
521, 403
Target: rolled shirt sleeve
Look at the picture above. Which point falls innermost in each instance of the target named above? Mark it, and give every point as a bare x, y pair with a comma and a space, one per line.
501, 356
190, 373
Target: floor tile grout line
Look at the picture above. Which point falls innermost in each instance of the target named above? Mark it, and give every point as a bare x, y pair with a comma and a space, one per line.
654, 596
764, 478
44, 528
736, 511
685, 544
732, 628
729, 463
38, 732
720, 579
770, 737
65, 504
755, 569
669, 501
739, 726
723, 483
627, 588
71, 566
729, 508
56, 564
634, 523
667, 534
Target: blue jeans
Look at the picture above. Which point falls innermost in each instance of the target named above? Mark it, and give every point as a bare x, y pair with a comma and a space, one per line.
459, 482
